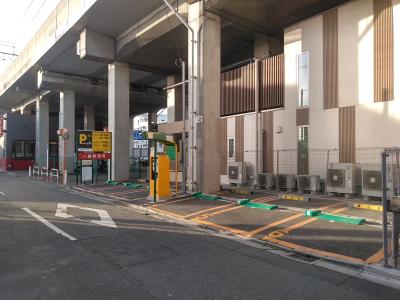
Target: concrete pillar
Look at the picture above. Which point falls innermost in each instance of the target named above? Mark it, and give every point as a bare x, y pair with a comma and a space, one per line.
174, 99
42, 132
67, 120
118, 118
204, 134
88, 118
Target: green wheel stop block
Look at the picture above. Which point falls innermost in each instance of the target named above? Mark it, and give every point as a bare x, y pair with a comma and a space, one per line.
112, 182
208, 197
342, 219
312, 213
260, 206
132, 185
242, 201
197, 194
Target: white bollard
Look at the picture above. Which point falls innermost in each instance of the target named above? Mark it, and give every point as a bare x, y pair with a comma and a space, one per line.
65, 177
30, 171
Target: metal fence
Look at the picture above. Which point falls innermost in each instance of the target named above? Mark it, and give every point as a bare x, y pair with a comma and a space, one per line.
290, 161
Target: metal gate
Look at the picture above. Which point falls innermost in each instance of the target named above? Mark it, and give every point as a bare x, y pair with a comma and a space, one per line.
391, 206
138, 163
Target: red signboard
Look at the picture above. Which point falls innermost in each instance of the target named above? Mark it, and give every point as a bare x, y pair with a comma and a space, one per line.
1, 126
93, 156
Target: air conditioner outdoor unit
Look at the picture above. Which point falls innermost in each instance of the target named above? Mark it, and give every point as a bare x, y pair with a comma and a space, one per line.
237, 173
311, 183
285, 181
265, 181
343, 178
372, 180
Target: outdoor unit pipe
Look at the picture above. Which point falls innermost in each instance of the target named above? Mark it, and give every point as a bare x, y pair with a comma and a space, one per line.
191, 83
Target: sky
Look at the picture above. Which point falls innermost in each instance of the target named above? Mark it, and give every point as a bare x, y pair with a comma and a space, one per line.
19, 20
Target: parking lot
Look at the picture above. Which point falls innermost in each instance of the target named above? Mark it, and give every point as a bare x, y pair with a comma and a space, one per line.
286, 226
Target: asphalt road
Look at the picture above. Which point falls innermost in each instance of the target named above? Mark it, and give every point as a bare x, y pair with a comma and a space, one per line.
50, 248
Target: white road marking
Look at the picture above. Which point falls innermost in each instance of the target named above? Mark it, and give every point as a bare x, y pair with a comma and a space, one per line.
105, 218
2, 193
48, 224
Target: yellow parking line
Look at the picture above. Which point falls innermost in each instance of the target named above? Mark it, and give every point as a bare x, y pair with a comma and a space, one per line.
258, 230
171, 202
296, 216
221, 227
259, 200
312, 251
167, 213
207, 210
376, 257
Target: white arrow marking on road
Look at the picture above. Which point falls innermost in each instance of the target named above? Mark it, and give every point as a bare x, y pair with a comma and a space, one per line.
1, 193
48, 224
105, 218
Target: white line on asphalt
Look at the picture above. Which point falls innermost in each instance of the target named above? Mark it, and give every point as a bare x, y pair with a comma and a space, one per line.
1, 193
50, 225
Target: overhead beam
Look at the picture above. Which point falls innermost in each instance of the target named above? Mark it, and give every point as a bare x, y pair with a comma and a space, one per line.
96, 46
150, 28
84, 85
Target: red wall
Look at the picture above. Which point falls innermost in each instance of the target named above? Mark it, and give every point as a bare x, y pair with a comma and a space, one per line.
18, 165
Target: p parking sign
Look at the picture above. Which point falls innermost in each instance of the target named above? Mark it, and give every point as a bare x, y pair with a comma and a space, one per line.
84, 140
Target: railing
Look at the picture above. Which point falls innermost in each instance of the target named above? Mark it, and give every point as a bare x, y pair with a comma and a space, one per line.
44, 172
54, 173
35, 171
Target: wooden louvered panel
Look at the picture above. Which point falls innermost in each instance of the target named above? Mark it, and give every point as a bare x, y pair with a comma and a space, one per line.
238, 90
383, 50
347, 134
224, 141
330, 50
239, 138
272, 83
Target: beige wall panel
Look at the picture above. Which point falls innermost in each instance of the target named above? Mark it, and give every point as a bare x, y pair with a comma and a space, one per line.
312, 41
323, 135
347, 54
293, 46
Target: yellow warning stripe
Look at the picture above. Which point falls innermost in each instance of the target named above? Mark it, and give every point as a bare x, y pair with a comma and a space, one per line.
293, 197
368, 206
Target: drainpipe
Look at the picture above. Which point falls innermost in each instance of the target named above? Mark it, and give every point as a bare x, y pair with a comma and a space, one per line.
192, 79
258, 117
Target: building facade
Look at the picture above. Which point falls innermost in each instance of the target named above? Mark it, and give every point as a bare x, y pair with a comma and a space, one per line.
341, 94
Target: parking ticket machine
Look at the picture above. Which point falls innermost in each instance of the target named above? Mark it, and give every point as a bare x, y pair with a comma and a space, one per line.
160, 173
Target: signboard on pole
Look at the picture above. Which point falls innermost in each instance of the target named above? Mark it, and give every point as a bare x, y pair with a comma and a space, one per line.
93, 156
101, 141
1, 126
94, 141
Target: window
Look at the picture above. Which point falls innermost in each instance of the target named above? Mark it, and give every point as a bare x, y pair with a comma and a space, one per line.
303, 78
23, 149
53, 150
231, 148
302, 151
